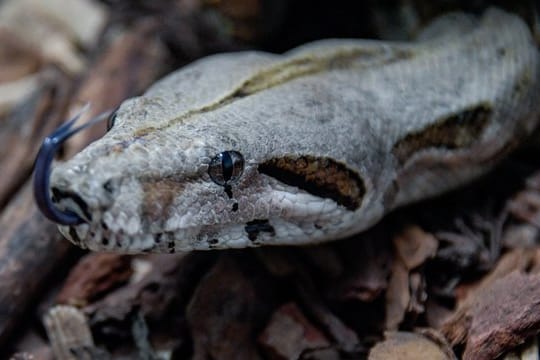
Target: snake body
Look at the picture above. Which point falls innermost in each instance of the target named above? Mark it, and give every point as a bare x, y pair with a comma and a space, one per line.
249, 149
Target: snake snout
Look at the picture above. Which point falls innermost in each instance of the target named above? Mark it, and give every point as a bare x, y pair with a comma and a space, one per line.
72, 202
42, 172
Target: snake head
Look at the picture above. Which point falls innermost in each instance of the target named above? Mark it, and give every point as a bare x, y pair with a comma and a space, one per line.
157, 182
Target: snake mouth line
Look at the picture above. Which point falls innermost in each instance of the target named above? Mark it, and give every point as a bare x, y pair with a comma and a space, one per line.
203, 236
72, 202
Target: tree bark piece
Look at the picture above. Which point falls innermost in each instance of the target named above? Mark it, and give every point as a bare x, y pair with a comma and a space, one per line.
133, 61
498, 317
26, 125
30, 248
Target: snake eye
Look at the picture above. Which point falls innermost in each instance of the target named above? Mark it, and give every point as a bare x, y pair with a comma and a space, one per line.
111, 120
226, 167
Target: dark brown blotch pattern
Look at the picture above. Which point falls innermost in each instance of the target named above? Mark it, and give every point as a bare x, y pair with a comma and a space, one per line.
457, 131
319, 176
159, 195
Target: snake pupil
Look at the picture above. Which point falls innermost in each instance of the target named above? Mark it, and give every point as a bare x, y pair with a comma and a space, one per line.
227, 165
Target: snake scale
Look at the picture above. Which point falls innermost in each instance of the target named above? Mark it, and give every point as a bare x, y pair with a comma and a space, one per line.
248, 149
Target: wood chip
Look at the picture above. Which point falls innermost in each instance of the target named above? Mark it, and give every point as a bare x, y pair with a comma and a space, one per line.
408, 346
171, 279
289, 334
397, 296
414, 246
16, 59
406, 290
311, 301
521, 259
498, 317
15, 92
93, 276
228, 308
68, 331
55, 28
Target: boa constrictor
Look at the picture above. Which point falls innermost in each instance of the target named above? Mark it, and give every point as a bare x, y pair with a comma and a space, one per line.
248, 149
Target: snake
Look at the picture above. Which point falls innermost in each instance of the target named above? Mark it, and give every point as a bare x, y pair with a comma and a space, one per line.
250, 148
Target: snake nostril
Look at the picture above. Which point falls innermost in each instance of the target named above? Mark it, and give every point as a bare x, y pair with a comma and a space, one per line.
108, 186
58, 195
